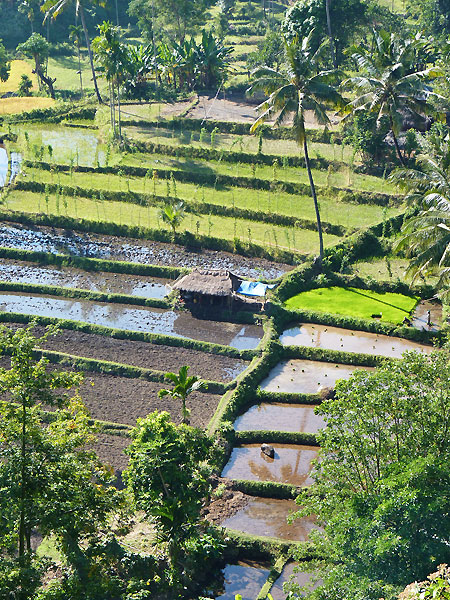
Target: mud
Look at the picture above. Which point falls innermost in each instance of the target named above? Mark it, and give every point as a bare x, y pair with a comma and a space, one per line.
305, 376
59, 241
268, 517
142, 354
291, 464
110, 283
280, 417
155, 320
335, 338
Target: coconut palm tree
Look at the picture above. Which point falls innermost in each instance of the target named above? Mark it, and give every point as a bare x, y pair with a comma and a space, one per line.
183, 386
301, 86
391, 85
426, 236
112, 57
75, 32
52, 8
172, 214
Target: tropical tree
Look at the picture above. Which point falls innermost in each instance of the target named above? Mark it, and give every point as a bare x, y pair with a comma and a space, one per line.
111, 55
75, 33
48, 480
319, 16
381, 490
184, 385
168, 477
213, 60
177, 17
52, 8
4, 63
391, 85
426, 236
172, 214
301, 87
37, 48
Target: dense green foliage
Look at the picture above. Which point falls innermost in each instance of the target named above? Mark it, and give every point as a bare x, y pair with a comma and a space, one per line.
382, 482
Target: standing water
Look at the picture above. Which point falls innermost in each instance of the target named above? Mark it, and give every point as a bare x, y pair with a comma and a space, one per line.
281, 417
245, 578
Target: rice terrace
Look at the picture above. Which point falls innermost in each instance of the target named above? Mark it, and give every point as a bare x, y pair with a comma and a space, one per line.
224, 287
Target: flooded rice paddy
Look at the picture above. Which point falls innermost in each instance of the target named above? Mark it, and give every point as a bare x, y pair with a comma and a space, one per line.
292, 464
59, 241
305, 376
110, 283
245, 578
267, 517
346, 340
288, 574
280, 417
118, 316
420, 315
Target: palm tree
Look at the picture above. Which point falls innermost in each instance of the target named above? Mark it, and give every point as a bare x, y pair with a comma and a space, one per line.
172, 214
75, 35
426, 236
330, 33
391, 85
183, 386
111, 54
54, 7
301, 87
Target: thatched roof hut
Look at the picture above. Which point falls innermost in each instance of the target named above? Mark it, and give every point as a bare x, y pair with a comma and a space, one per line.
218, 283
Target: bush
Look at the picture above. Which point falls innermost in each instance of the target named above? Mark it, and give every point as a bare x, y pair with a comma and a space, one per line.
25, 86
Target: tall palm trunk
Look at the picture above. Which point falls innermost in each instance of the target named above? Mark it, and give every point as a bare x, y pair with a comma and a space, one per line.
22, 482
79, 66
314, 196
91, 60
330, 34
397, 147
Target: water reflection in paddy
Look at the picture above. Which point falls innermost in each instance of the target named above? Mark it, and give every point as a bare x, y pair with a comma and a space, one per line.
419, 317
305, 376
300, 578
149, 320
335, 338
281, 417
291, 464
245, 578
111, 283
268, 517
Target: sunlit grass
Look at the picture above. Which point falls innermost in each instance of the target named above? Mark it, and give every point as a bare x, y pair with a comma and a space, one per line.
332, 211
10, 106
18, 68
354, 302
301, 240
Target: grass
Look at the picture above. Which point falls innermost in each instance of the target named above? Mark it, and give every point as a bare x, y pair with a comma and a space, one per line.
351, 216
343, 178
355, 303
243, 143
18, 68
9, 106
386, 269
301, 240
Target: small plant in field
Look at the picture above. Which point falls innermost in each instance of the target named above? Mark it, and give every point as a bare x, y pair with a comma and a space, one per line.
154, 179
214, 133
389, 267
203, 133
184, 385
275, 166
25, 85
50, 150
285, 162
253, 170
197, 228
174, 185
47, 197
172, 214
260, 141
220, 490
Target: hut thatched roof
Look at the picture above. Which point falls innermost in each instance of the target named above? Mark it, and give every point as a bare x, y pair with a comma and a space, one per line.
214, 282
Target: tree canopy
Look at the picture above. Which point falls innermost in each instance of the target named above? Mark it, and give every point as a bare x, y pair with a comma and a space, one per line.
382, 482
